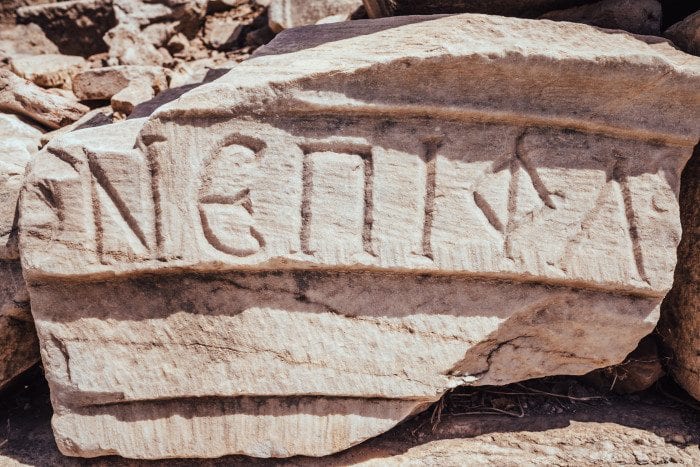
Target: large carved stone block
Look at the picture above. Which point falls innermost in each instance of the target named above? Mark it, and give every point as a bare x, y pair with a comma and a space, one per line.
296, 257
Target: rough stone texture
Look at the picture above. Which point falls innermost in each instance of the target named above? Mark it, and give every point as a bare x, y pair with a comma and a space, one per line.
19, 141
19, 347
48, 70
222, 34
686, 34
680, 323
8, 9
103, 83
636, 16
22, 97
298, 255
129, 46
285, 14
125, 100
520, 8
24, 39
75, 26
182, 15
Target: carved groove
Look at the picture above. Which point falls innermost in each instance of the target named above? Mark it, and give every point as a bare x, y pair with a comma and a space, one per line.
534, 176
154, 171
102, 180
512, 206
488, 212
619, 176
431, 147
306, 188
368, 220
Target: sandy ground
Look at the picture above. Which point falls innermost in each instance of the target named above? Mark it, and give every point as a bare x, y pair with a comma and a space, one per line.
516, 425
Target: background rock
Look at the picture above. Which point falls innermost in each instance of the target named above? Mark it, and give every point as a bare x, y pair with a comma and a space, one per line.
680, 317
635, 16
686, 34
25, 98
519, 8
103, 83
285, 14
24, 39
19, 346
8, 9
48, 70
75, 26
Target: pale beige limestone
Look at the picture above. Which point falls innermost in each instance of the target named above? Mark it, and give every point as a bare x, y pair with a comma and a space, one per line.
222, 34
103, 83
334, 223
285, 14
24, 39
128, 46
24, 98
686, 34
19, 347
48, 70
680, 323
128, 98
19, 141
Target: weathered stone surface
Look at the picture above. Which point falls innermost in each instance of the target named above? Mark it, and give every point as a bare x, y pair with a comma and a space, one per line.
8, 9
330, 236
19, 141
636, 16
520, 8
24, 39
75, 26
19, 347
22, 97
222, 33
48, 70
183, 15
125, 100
285, 14
680, 319
128, 46
103, 83
686, 34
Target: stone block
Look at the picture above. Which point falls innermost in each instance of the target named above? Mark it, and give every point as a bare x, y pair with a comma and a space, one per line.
299, 255
285, 14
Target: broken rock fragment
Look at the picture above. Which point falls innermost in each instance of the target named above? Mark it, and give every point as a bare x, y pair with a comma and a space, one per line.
19, 347
22, 39
22, 97
103, 83
125, 100
285, 14
326, 239
48, 70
